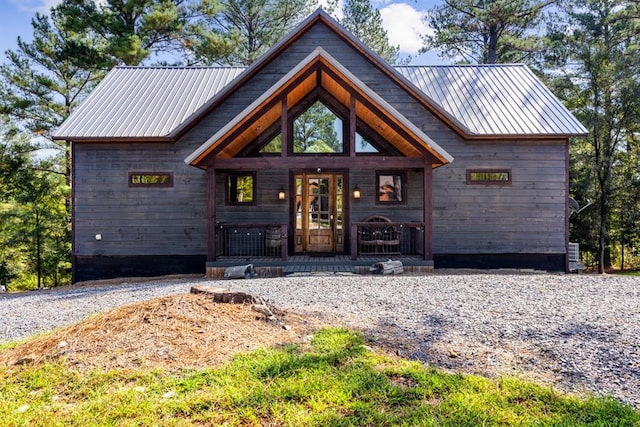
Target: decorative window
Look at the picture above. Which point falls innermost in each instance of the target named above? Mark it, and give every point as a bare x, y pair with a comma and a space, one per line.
318, 130
150, 179
240, 188
391, 187
489, 176
364, 146
274, 146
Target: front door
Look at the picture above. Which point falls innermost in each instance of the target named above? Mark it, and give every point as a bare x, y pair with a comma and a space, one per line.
319, 212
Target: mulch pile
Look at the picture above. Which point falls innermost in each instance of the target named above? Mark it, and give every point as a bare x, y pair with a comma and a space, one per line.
173, 332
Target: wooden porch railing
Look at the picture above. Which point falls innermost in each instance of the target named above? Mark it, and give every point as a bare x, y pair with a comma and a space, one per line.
387, 238
252, 240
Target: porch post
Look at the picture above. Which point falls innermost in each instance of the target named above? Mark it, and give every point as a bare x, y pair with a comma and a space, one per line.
427, 211
211, 213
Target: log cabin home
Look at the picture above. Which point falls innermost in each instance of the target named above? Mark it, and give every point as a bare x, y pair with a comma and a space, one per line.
319, 149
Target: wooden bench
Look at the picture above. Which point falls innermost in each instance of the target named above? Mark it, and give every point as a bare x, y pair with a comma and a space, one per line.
379, 238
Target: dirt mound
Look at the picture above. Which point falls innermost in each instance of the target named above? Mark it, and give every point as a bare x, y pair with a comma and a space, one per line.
169, 333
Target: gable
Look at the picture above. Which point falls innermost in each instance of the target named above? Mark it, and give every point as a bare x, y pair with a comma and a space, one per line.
319, 69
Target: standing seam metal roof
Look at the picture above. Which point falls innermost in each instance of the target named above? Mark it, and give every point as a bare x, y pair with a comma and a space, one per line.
145, 102
152, 102
494, 99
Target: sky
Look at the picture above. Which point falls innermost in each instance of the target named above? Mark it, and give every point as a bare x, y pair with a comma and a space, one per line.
402, 20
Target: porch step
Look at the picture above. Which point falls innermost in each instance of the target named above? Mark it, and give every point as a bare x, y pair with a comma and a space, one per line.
275, 267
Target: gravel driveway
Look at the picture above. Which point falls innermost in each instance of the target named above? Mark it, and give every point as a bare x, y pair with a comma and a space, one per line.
577, 332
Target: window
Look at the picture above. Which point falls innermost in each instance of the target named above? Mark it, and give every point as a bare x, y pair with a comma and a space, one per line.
390, 187
274, 146
489, 176
364, 146
240, 188
318, 130
150, 179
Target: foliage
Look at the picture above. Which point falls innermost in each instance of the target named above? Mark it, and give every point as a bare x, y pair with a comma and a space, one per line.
487, 32
365, 22
601, 81
34, 221
336, 380
42, 81
237, 32
129, 31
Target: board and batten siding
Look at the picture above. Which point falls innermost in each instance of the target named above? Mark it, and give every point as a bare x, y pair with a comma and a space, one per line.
137, 220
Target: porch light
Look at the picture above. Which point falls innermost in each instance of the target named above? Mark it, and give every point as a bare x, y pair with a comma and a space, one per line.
356, 192
281, 194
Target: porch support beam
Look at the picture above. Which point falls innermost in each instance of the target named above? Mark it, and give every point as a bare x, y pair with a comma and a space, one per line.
324, 162
427, 209
211, 214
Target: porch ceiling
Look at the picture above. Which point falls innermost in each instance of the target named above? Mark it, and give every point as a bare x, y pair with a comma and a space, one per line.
319, 69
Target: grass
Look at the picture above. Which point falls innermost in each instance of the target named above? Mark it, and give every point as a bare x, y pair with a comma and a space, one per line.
334, 381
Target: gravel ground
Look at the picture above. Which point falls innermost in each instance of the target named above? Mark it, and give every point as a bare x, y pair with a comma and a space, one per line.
580, 333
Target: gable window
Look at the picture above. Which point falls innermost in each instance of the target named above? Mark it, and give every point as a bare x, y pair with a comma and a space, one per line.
318, 130
363, 145
150, 179
274, 146
240, 188
489, 176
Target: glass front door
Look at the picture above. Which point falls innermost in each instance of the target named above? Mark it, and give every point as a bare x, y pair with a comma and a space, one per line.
319, 213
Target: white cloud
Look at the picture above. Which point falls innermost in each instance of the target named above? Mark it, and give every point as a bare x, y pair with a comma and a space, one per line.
404, 25
42, 6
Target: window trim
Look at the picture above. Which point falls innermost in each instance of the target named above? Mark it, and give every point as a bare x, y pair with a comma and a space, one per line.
227, 188
132, 184
499, 183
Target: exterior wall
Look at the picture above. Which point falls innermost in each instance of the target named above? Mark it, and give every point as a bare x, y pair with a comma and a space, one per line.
267, 209
527, 216
138, 225
410, 211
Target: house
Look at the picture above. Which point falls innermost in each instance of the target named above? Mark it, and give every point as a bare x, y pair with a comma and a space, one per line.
319, 147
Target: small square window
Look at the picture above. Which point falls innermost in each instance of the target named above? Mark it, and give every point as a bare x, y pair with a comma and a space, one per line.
489, 176
240, 188
391, 187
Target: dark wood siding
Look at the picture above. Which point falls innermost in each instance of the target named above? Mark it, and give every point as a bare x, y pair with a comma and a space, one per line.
137, 221
527, 216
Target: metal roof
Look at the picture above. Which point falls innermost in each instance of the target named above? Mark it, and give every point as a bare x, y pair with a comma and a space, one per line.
494, 100
484, 100
145, 102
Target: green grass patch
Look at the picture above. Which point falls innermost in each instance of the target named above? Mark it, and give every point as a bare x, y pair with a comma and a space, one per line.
334, 381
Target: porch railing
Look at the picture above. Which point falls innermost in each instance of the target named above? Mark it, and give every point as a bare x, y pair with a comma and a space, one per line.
387, 238
252, 240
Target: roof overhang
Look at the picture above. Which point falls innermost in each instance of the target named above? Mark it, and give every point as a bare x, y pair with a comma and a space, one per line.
319, 69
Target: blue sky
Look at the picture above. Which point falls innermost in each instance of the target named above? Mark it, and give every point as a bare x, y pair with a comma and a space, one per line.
401, 19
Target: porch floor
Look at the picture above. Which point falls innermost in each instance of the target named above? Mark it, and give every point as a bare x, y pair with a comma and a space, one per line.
316, 264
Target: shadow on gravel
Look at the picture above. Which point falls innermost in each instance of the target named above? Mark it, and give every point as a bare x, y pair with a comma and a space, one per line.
412, 343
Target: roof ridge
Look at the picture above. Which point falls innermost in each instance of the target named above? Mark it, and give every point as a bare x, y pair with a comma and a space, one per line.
179, 67
516, 64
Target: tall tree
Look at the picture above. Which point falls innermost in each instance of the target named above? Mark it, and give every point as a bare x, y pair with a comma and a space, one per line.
603, 79
34, 221
43, 80
365, 22
488, 31
237, 32
129, 31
